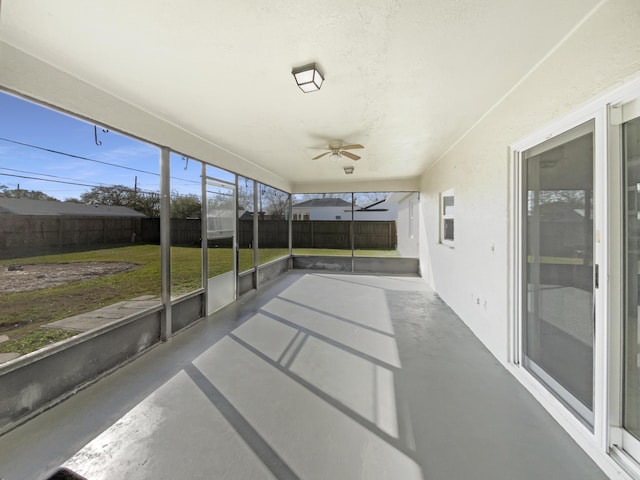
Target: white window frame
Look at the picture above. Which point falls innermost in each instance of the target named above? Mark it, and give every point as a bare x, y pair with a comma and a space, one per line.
447, 216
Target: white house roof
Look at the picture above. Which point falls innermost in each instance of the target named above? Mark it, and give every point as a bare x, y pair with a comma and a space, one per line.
323, 202
25, 206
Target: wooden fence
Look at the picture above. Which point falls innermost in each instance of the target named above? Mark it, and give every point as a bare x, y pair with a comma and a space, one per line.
22, 235
184, 231
275, 233
321, 234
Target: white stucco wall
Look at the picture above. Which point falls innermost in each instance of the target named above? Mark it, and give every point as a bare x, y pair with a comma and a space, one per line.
329, 213
472, 277
389, 215
407, 224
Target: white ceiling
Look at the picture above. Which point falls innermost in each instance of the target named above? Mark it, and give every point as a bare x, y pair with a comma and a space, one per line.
405, 78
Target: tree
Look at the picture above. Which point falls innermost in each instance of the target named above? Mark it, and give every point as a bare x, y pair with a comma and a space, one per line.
185, 206
113, 195
366, 199
5, 192
245, 196
274, 203
573, 199
147, 203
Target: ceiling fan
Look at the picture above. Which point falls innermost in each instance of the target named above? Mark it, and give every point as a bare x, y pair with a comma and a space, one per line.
336, 151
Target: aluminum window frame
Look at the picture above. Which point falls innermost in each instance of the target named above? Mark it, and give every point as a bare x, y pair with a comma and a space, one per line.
444, 217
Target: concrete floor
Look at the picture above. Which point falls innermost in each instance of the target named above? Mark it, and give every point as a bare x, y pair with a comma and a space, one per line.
318, 376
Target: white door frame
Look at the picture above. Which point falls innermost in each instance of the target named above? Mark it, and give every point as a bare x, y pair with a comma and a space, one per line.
222, 289
624, 445
598, 115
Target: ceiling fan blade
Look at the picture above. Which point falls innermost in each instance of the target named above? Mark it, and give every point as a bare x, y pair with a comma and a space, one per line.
351, 147
321, 155
350, 155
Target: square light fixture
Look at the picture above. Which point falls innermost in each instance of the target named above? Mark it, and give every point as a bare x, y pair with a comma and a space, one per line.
308, 77
348, 170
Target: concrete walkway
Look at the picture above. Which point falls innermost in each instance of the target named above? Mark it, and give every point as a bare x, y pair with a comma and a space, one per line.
5, 357
94, 319
319, 376
105, 315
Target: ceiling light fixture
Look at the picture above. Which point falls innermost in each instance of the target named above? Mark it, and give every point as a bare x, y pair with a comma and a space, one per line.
308, 77
348, 170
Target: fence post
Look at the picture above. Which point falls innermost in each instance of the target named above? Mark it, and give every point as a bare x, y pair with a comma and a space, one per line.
60, 230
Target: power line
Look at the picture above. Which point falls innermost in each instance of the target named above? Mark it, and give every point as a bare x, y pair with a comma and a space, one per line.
70, 183
71, 155
48, 180
37, 173
77, 156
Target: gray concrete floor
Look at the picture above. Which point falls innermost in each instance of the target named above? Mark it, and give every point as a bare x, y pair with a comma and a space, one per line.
318, 376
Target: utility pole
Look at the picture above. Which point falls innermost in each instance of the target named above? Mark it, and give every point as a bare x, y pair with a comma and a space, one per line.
135, 190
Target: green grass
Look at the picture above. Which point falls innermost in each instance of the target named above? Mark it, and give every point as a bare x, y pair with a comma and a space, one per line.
34, 340
42, 306
55, 303
21, 314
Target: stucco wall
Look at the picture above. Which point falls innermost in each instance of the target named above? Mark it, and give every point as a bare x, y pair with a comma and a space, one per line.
407, 226
472, 277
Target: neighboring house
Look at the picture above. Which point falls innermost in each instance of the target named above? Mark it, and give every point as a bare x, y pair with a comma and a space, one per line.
322, 209
26, 206
247, 216
406, 208
382, 211
339, 209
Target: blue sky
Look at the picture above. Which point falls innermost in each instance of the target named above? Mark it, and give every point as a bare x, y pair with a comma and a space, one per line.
55, 174
59, 175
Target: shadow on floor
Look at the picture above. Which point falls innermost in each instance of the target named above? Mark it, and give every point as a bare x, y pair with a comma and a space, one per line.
318, 376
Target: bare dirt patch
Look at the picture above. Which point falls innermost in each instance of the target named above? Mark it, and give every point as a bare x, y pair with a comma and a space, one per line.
23, 278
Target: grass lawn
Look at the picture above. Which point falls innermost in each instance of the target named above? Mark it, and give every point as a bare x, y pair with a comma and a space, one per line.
22, 313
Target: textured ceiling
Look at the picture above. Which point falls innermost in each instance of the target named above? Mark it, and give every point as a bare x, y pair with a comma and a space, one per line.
404, 78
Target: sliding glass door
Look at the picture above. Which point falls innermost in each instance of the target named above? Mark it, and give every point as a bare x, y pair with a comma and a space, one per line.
558, 267
631, 266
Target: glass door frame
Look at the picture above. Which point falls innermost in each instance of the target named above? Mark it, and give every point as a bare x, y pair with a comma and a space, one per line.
518, 256
623, 445
233, 187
